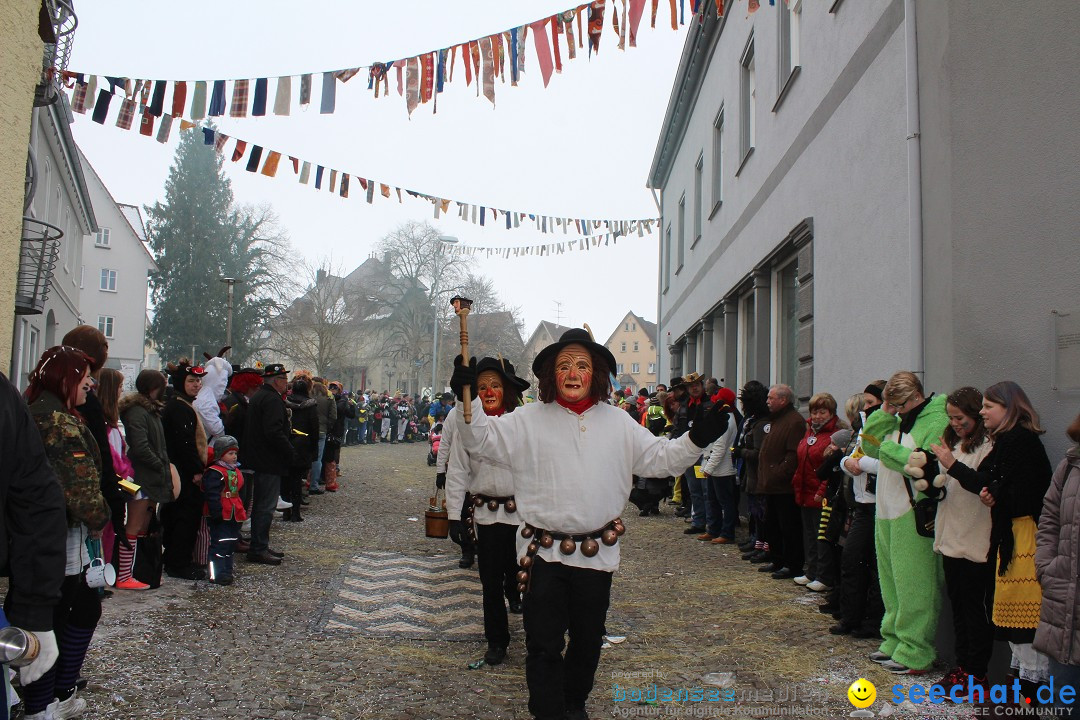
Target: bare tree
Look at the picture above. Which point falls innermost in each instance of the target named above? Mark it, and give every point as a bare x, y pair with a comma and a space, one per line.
420, 260
320, 329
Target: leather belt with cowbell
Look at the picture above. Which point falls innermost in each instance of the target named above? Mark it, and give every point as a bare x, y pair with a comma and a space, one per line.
569, 543
493, 502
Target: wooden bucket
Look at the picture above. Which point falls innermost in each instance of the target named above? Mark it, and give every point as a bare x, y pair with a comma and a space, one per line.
436, 521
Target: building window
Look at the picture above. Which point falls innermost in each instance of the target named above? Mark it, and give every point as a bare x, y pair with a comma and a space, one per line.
626, 327
623, 348
666, 260
633, 326
635, 368
32, 349
635, 346
652, 368
101, 239
55, 220
748, 88
108, 280
698, 170
718, 162
682, 234
787, 322
105, 325
618, 368
789, 19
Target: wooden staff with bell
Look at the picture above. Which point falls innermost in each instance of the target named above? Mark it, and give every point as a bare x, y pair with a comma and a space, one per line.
461, 309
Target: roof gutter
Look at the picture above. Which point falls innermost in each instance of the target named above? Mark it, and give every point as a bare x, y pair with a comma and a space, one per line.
915, 213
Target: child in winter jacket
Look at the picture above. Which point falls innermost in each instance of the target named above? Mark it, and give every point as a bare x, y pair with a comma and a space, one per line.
224, 509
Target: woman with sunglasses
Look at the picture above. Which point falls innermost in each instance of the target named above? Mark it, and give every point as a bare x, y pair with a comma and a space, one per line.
58, 385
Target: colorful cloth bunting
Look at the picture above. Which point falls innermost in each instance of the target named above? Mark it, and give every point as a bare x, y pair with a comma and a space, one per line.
258, 108
239, 99
283, 97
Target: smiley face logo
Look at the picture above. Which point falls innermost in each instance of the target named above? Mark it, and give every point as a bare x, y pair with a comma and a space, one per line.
862, 693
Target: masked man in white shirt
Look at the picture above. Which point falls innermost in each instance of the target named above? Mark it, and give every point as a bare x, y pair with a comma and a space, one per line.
572, 458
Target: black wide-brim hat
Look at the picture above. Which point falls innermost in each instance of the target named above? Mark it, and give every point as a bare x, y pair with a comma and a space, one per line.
504, 368
574, 336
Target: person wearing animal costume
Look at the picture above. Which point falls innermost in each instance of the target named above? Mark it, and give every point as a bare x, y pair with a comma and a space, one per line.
208, 401
909, 570
492, 513
572, 458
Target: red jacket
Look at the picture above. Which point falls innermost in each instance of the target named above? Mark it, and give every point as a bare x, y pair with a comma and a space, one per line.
811, 452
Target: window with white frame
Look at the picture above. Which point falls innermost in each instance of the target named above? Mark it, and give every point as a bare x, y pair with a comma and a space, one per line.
699, 169
682, 234
101, 238
718, 160
623, 349
748, 89
105, 325
618, 368
33, 349
652, 368
787, 322
635, 368
666, 259
635, 346
108, 280
789, 19
633, 326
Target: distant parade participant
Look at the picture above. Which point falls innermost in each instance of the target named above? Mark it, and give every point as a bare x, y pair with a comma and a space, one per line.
492, 512
572, 458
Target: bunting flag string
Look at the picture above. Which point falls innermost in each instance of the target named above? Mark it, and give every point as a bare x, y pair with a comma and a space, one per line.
583, 244
427, 73
265, 161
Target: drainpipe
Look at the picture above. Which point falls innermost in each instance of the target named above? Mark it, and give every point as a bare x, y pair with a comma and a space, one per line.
915, 225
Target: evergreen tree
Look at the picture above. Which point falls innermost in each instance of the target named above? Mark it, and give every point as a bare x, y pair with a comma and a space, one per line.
198, 237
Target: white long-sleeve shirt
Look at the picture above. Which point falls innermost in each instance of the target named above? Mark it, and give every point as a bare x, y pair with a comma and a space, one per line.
216, 379
716, 460
573, 473
468, 473
867, 464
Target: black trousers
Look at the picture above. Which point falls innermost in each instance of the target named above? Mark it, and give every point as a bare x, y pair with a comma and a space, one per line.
562, 598
783, 531
180, 522
496, 551
860, 591
970, 586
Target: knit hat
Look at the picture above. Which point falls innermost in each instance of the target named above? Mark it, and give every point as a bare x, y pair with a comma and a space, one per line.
725, 396
841, 438
223, 444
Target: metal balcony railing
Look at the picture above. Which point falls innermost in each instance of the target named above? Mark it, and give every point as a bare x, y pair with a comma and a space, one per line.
38, 253
56, 54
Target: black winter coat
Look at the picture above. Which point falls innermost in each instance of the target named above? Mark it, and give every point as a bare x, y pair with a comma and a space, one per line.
345, 409
180, 424
265, 447
33, 518
304, 416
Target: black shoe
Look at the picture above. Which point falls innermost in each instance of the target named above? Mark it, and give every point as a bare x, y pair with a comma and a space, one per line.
189, 573
263, 558
749, 554
275, 553
866, 633
760, 557
828, 609
494, 655
771, 567
515, 605
682, 512
295, 517
223, 580
693, 530
466, 561
304, 502
654, 510
784, 574
286, 515
80, 685
840, 628
747, 546
643, 513
316, 491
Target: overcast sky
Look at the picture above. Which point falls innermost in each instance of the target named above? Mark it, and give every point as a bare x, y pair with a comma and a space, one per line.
580, 148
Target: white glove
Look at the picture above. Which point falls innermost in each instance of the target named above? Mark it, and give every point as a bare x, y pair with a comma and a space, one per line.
43, 662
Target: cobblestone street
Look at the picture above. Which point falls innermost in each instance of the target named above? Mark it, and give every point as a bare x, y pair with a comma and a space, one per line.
367, 618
